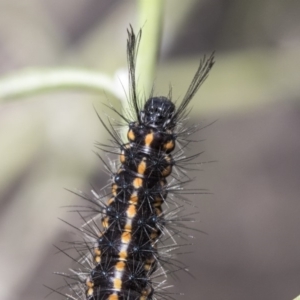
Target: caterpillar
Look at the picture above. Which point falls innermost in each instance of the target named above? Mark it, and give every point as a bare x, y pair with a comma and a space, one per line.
123, 256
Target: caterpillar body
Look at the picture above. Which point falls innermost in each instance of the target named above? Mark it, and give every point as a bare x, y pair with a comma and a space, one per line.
124, 256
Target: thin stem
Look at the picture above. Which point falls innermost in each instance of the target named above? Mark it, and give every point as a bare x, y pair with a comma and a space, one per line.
34, 81
150, 20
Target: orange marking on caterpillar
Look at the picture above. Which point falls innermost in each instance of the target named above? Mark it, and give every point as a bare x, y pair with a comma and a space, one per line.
105, 222
150, 260
137, 182
131, 211
147, 267
142, 167
114, 189
90, 292
98, 259
117, 283
163, 182
157, 202
153, 236
97, 255
122, 157
133, 199
169, 145
97, 251
128, 227
113, 297
131, 135
145, 293
126, 237
123, 255
120, 266
167, 171
148, 139
111, 200
89, 283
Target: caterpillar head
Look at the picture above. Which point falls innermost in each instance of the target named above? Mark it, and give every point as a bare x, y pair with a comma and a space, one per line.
158, 112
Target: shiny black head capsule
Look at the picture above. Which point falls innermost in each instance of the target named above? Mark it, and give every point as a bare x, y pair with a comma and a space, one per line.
158, 112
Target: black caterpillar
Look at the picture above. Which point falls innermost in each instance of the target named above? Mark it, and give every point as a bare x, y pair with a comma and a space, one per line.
124, 255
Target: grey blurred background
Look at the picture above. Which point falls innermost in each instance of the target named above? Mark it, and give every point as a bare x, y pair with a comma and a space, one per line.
251, 249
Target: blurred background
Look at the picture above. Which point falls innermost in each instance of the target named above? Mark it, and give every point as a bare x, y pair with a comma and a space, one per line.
251, 249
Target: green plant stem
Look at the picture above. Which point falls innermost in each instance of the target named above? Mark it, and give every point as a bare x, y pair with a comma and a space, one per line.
150, 19
34, 81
